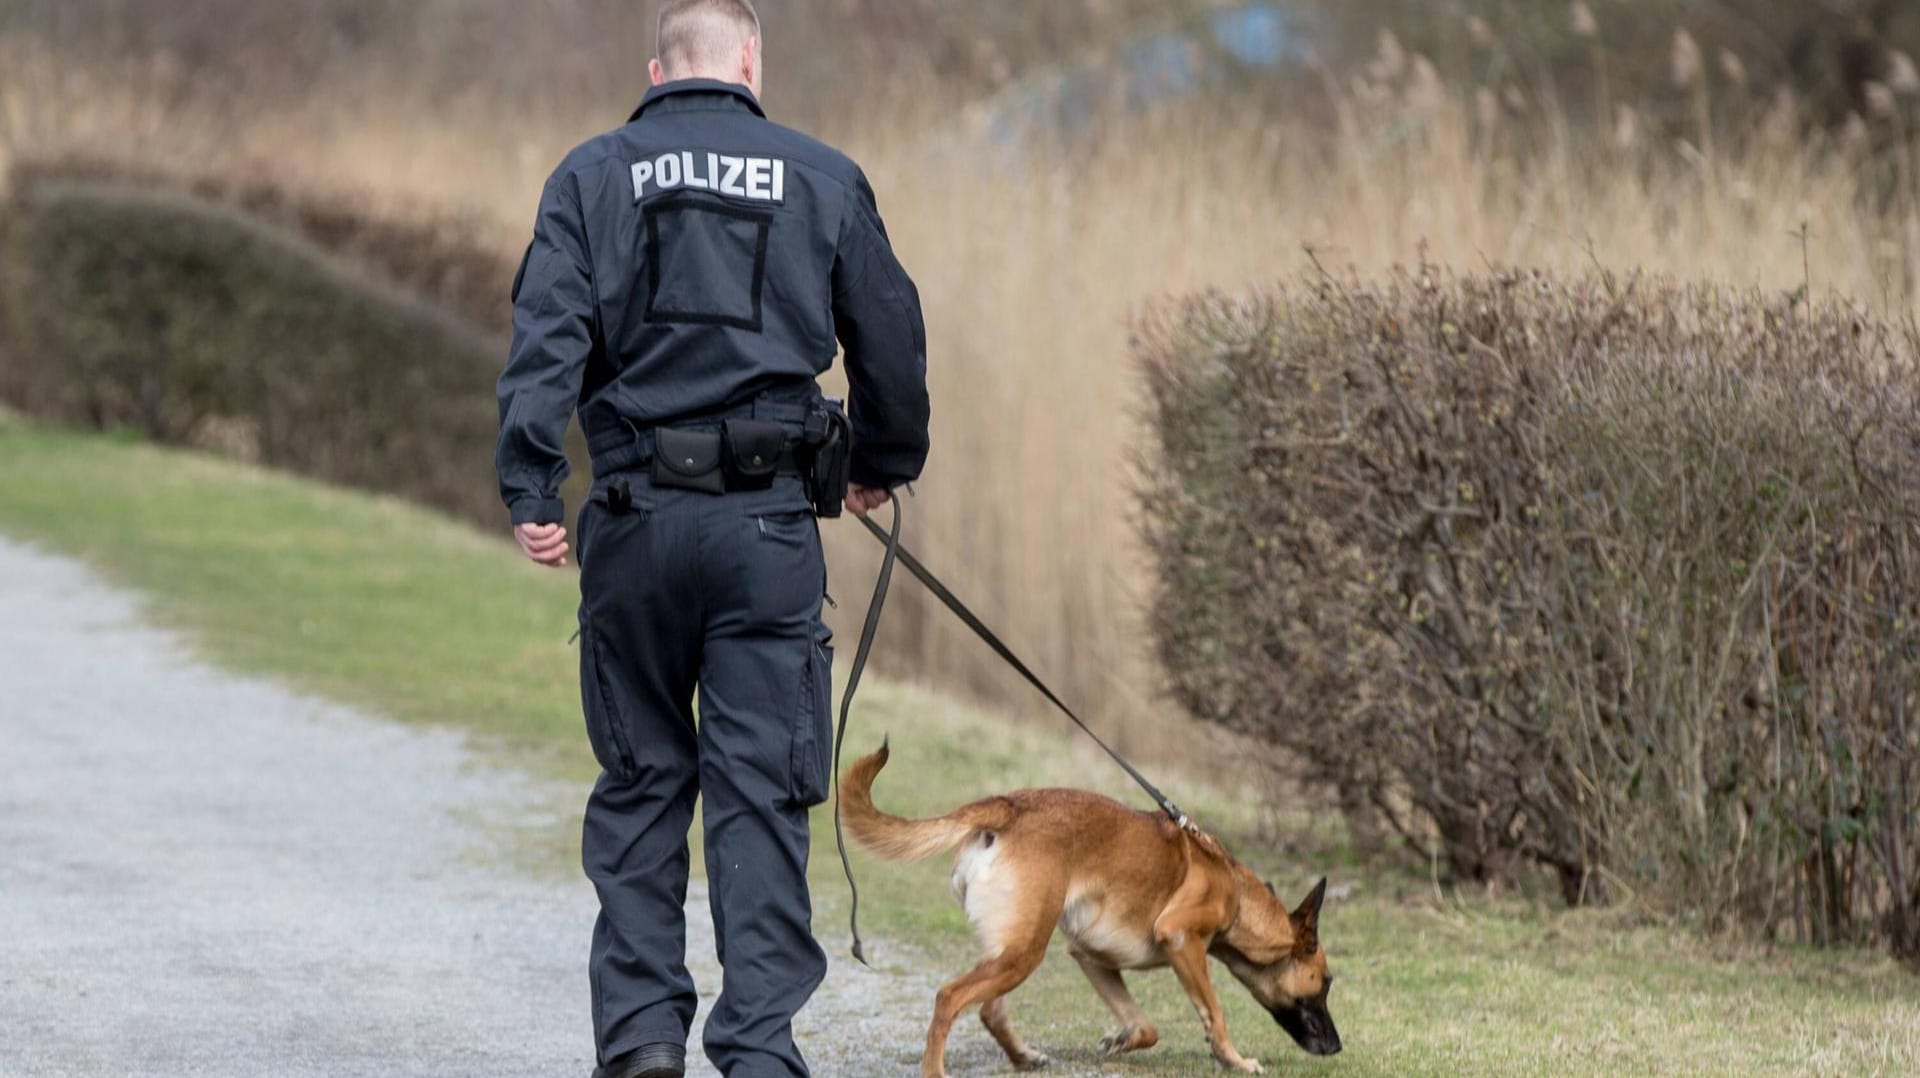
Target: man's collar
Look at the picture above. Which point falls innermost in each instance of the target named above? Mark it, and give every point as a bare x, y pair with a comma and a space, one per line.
680, 88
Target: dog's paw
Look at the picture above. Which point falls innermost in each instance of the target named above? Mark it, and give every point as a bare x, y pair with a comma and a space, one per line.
1129, 1040
1250, 1066
1032, 1061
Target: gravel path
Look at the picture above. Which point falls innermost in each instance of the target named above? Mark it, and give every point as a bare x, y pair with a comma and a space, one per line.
203, 874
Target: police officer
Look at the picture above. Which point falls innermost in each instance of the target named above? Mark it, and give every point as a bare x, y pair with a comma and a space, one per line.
689, 275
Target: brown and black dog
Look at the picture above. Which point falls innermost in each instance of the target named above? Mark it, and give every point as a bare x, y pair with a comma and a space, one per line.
1129, 890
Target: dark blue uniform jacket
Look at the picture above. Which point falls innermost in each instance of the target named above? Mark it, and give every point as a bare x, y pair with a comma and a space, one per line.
690, 262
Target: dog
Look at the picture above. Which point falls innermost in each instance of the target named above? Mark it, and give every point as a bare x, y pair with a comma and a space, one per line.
1129, 890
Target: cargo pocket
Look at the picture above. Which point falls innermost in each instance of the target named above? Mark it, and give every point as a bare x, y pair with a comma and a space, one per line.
605, 732
706, 262
795, 529
812, 764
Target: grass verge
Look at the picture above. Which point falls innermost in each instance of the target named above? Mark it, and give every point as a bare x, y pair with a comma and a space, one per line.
385, 606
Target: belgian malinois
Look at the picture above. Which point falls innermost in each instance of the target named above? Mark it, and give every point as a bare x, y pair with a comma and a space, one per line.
1130, 891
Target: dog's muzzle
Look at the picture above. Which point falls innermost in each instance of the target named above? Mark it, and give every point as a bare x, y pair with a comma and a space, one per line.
1310, 1025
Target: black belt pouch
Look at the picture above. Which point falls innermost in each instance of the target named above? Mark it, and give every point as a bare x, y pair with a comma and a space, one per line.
751, 450
688, 460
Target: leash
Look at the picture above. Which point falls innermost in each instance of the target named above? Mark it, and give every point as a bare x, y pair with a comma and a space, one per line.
991, 639
867, 632
900, 554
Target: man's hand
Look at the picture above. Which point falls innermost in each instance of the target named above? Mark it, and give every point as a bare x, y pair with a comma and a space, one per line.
544, 543
864, 500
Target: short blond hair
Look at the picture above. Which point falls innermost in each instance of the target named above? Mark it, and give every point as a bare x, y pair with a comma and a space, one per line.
697, 34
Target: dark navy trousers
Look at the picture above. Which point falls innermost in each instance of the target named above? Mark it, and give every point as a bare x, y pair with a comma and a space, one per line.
716, 597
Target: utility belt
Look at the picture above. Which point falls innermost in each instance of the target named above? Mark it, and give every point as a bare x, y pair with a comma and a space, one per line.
743, 452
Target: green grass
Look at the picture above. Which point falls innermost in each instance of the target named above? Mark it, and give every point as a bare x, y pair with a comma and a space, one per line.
381, 605
366, 600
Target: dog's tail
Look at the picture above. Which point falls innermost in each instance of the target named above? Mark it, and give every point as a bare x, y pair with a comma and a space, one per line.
894, 838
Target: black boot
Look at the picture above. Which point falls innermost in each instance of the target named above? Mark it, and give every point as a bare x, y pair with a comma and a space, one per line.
652, 1061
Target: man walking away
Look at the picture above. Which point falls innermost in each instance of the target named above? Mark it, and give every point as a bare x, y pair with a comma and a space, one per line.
688, 278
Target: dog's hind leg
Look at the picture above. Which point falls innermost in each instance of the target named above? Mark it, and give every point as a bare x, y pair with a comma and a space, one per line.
1136, 1032
993, 1014
1008, 964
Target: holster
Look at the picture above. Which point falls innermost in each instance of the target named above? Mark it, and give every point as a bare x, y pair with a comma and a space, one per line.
828, 444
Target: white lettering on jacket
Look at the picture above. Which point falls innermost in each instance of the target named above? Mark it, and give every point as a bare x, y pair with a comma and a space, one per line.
755, 179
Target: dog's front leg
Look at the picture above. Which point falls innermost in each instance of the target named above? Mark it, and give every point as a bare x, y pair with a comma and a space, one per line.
1136, 1032
1189, 959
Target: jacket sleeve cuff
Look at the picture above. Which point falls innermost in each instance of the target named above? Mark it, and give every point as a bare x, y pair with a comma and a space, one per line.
875, 476
532, 510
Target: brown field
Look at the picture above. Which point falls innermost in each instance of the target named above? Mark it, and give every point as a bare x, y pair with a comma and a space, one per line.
1031, 260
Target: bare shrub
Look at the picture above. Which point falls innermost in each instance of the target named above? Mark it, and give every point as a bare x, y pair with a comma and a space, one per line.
1616, 578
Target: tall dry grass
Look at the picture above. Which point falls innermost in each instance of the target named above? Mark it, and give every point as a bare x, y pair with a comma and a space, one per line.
1031, 260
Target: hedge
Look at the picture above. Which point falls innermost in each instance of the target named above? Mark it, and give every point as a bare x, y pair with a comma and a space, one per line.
264, 330
1618, 579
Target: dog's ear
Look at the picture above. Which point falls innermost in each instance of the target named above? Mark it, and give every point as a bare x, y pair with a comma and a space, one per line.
1306, 919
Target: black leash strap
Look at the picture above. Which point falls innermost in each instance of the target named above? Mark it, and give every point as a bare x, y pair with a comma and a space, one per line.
867, 633
991, 639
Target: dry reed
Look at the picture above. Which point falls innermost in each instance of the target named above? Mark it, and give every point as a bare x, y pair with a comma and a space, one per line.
1032, 258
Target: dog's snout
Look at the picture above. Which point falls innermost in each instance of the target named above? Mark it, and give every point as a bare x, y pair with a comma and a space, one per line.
1311, 1027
